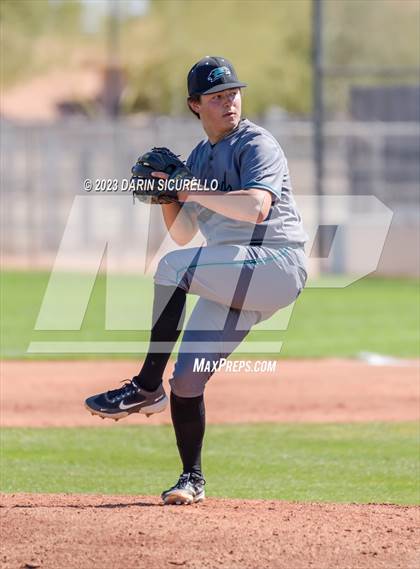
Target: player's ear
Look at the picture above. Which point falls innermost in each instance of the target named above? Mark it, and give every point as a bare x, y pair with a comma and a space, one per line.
194, 105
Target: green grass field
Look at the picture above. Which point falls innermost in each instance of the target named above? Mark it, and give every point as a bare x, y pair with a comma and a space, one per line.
375, 462
376, 315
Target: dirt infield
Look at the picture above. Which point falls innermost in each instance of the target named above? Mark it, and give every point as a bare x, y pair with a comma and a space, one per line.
58, 531
43, 394
135, 532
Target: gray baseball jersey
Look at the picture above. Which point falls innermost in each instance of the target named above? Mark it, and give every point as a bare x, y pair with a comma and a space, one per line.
247, 271
248, 157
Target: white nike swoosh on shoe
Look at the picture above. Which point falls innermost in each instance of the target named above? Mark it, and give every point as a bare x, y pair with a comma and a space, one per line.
124, 406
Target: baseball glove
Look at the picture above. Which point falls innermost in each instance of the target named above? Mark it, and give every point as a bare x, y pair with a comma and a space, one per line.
156, 190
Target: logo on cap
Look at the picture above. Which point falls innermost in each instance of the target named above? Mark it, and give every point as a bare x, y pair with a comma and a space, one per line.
218, 73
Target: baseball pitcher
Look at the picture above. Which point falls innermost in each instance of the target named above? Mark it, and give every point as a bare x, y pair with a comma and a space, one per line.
235, 188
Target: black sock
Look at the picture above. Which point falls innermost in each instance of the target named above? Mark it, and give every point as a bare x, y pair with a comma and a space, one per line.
168, 316
189, 420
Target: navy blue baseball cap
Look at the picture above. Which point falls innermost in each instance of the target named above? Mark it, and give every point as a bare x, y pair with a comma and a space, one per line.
211, 75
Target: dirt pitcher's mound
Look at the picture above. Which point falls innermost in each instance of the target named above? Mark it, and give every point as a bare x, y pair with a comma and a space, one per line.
83, 532
43, 394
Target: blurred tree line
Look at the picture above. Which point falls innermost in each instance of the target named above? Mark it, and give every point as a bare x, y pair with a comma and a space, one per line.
269, 42
35, 35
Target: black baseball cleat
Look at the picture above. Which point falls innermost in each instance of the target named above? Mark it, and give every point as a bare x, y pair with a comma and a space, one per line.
129, 398
188, 490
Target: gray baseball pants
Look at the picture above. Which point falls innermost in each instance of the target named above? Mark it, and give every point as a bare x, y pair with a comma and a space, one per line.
238, 286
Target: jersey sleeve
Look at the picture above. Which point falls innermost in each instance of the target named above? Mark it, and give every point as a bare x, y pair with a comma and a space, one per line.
263, 165
190, 207
193, 155
189, 160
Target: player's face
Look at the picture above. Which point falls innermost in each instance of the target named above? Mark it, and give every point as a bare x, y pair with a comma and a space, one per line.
220, 112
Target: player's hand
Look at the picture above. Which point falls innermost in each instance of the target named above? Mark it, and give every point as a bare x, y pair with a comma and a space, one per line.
161, 175
182, 195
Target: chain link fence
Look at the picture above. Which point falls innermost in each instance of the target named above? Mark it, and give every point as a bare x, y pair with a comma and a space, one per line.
43, 169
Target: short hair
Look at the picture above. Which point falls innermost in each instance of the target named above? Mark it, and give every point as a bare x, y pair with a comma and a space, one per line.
194, 99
